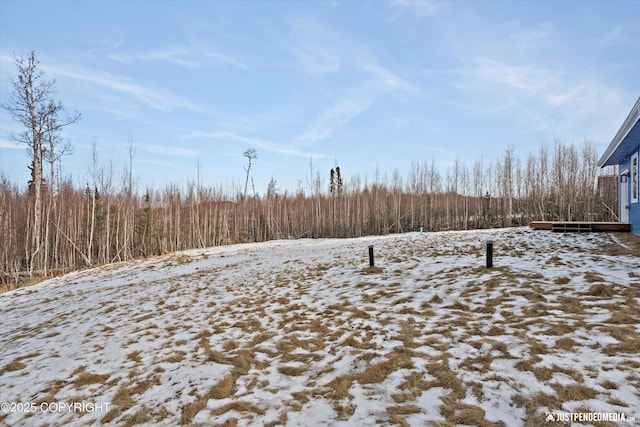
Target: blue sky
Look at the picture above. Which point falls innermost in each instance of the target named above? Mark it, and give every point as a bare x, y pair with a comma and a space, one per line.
361, 84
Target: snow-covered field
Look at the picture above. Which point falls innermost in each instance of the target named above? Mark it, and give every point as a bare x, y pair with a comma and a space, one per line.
303, 333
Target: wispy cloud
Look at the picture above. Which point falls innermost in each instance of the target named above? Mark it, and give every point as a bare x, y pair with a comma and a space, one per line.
418, 8
323, 50
319, 48
198, 47
194, 54
167, 150
517, 71
386, 80
318, 60
225, 59
617, 36
112, 37
164, 164
11, 145
562, 103
156, 99
174, 55
357, 101
263, 144
259, 122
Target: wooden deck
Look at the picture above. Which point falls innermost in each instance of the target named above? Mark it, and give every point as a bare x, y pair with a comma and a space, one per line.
580, 226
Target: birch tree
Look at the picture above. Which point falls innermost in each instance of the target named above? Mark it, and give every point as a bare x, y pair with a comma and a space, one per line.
33, 104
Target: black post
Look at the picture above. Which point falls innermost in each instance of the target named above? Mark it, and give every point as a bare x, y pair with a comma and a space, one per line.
370, 255
489, 253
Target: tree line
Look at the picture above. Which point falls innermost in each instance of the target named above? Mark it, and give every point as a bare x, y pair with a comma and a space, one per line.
54, 226
107, 221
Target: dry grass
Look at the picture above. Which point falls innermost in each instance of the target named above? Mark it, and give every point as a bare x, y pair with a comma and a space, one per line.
179, 258
372, 270
566, 343
458, 305
16, 365
571, 305
300, 357
134, 356
445, 378
617, 402
555, 260
559, 328
121, 401
339, 387
399, 358
532, 404
408, 334
561, 280
609, 385
376, 373
87, 378
238, 406
356, 313
176, 357
144, 385
619, 332
495, 330
630, 241
215, 356
527, 364
591, 277
600, 290
435, 300
544, 373
403, 410
230, 345
141, 416
293, 371
502, 314
623, 318
190, 410
458, 413
536, 310
413, 386
571, 392
223, 389
480, 363
243, 361
630, 345
301, 396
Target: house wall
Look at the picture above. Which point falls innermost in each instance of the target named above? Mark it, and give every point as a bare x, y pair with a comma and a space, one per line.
634, 208
623, 168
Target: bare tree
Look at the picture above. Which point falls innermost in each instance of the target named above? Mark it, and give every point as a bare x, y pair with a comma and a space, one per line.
32, 103
105, 222
251, 155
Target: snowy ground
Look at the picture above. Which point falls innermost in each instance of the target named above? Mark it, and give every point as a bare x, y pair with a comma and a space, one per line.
303, 333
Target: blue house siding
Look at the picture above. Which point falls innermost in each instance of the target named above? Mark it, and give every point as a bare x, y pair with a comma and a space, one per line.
634, 220
621, 150
634, 207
